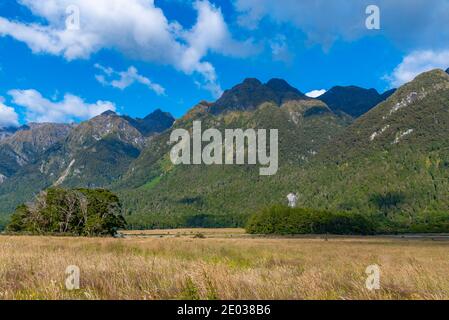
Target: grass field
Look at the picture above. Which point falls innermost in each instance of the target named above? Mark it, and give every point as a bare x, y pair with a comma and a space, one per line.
223, 232
222, 267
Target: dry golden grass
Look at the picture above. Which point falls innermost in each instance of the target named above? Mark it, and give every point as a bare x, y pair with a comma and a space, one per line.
223, 232
222, 268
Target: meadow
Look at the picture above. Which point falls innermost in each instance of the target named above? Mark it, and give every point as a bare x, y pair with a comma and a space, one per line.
226, 264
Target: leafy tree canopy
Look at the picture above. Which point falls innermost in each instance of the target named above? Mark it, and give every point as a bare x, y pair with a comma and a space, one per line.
83, 212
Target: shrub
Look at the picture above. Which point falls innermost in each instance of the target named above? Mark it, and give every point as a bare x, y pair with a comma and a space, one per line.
199, 235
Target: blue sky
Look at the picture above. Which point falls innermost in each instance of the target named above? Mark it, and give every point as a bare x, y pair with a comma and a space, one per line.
135, 56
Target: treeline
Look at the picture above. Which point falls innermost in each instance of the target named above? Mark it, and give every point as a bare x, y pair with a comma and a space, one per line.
186, 220
87, 212
282, 220
81, 212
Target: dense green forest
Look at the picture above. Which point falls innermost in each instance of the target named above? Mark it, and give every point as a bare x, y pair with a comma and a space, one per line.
282, 220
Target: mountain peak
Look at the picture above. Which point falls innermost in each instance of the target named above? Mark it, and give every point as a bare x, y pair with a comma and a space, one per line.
158, 114
284, 91
252, 82
109, 113
424, 85
158, 110
155, 122
429, 78
352, 100
251, 93
414, 114
280, 85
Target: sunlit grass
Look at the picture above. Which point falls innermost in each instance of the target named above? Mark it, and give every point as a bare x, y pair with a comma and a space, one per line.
222, 268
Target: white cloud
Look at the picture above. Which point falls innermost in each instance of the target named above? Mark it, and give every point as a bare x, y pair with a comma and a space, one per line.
136, 28
212, 87
126, 79
210, 33
409, 23
342, 20
8, 116
315, 93
418, 62
70, 109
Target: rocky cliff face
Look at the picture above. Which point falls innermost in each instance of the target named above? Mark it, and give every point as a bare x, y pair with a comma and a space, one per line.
7, 132
27, 143
108, 125
37, 137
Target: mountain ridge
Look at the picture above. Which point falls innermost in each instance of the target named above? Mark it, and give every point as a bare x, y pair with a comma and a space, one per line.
389, 161
89, 154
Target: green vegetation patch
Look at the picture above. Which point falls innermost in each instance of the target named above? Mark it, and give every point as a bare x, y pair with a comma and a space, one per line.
83, 212
283, 220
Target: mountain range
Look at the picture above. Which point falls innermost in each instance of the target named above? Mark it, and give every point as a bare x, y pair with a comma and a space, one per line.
351, 149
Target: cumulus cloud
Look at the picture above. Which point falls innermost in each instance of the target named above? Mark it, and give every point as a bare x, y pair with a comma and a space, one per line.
8, 116
71, 109
215, 89
124, 79
315, 93
409, 23
418, 62
136, 28
210, 33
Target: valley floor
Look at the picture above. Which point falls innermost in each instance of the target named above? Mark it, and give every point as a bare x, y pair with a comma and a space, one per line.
225, 264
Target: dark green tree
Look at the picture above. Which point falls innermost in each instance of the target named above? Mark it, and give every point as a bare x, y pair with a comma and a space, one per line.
84, 212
